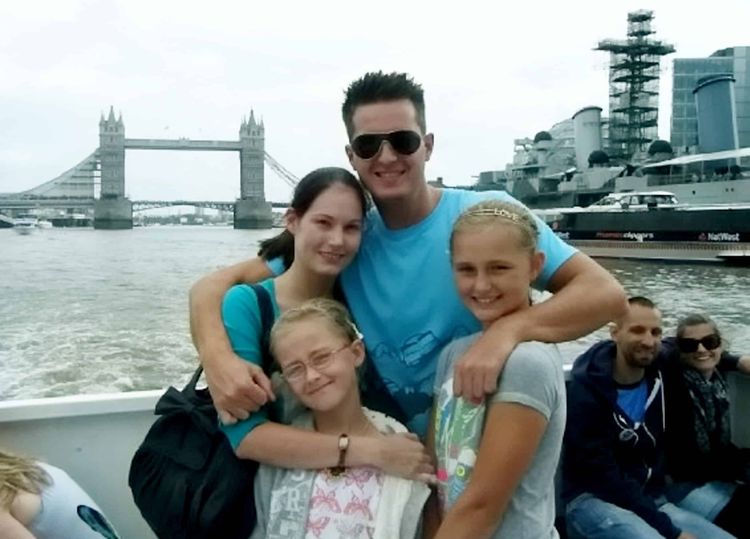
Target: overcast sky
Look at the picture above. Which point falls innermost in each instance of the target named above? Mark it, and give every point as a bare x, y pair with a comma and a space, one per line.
492, 73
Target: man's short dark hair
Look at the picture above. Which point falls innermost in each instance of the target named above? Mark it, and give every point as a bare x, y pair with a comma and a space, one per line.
377, 87
642, 301
635, 300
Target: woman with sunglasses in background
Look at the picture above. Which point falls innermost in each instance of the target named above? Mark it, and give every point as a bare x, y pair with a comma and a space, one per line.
707, 469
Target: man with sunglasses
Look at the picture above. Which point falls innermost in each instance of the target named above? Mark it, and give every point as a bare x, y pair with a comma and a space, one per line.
400, 287
614, 482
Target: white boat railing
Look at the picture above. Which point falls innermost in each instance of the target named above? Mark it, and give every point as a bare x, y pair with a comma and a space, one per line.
94, 437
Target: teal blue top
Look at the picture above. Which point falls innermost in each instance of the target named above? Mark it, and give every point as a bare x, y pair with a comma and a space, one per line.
241, 315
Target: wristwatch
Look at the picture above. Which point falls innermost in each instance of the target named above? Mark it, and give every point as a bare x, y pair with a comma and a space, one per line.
340, 468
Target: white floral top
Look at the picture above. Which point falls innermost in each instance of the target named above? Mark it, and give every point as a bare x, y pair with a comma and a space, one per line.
344, 505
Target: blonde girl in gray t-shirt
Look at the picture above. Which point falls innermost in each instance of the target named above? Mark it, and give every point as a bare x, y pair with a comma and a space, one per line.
496, 459
40, 501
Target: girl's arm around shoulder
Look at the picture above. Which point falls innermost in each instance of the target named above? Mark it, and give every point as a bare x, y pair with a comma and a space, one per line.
285, 446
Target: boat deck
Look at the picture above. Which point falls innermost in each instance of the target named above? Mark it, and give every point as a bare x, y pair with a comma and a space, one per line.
731, 253
93, 438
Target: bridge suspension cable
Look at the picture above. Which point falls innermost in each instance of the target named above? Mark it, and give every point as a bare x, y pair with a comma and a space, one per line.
279, 169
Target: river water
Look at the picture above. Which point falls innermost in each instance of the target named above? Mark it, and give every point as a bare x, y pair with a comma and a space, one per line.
85, 311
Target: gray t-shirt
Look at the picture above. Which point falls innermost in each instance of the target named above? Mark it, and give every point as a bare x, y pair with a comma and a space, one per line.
68, 512
533, 377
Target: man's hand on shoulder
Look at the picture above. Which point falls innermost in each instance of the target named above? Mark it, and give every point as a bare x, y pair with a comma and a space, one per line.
686, 535
477, 372
237, 388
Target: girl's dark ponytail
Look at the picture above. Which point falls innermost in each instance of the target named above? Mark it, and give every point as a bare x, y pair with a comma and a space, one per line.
281, 245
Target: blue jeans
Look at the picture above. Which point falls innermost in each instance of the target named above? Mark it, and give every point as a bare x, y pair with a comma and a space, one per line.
708, 500
588, 517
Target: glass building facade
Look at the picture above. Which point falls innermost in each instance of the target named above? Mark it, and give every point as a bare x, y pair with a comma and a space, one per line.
686, 73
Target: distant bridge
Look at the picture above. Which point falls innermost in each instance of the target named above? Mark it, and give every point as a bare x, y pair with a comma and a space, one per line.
104, 170
19, 204
140, 205
28, 203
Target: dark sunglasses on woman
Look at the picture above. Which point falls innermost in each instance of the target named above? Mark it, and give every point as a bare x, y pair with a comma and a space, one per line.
404, 142
688, 346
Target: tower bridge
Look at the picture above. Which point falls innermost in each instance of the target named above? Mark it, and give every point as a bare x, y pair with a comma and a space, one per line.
23, 204
105, 166
140, 205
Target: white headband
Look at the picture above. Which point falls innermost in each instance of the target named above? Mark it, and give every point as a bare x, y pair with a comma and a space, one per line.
496, 212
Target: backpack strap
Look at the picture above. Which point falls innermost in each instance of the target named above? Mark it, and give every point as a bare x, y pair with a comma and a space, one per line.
190, 387
266, 320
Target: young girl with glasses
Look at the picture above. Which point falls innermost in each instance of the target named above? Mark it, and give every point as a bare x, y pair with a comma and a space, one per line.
318, 350
496, 459
323, 231
701, 458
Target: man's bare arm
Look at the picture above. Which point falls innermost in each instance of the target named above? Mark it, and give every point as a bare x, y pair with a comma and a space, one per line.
237, 387
585, 298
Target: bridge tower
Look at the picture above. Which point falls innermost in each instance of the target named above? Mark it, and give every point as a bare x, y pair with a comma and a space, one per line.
251, 210
112, 210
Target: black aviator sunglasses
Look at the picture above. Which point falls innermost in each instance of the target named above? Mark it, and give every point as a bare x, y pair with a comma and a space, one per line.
404, 142
688, 346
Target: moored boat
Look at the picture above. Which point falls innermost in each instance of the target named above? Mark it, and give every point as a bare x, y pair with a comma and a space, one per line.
545, 174
653, 225
25, 224
72, 220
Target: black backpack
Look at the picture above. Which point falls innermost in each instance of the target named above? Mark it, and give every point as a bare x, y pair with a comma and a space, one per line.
185, 478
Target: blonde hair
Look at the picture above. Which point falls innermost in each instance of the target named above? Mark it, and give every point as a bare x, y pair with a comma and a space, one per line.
330, 311
20, 474
491, 212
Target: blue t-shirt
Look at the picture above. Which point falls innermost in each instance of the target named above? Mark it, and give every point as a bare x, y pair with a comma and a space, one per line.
241, 315
401, 292
632, 400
